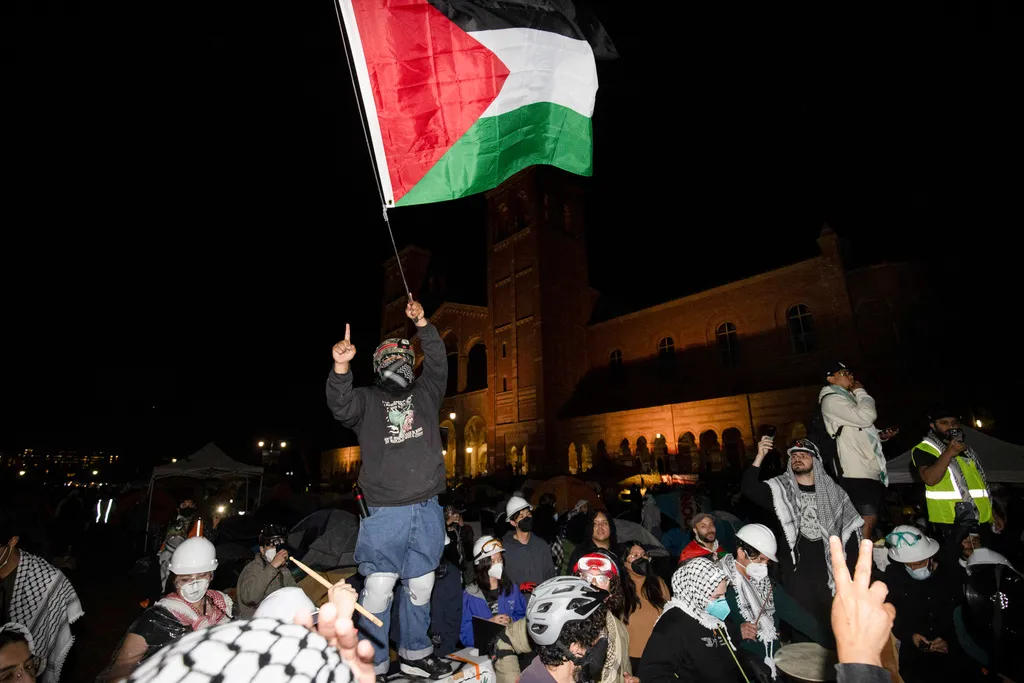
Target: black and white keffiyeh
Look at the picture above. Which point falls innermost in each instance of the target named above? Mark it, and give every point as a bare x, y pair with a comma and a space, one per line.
692, 586
258, 651
45, 602
23, 632
836, 514
756, 600
940, 444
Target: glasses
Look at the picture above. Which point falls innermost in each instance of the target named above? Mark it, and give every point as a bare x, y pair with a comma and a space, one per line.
600, 580
898, 538
637, 556
596, 562
31, 667
844, 373
493, 544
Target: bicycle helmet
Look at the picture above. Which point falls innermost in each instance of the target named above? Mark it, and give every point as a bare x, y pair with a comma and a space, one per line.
558, 601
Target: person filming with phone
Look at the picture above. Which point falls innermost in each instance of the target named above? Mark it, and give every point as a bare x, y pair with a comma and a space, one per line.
956, 491
266, 573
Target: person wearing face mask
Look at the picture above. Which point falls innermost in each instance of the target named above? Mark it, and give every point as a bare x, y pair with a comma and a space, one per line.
266, 573
527, 556
645, 594
402, 474
491, 595
565, 620
190, 607
757, 603
690, 641
924, 594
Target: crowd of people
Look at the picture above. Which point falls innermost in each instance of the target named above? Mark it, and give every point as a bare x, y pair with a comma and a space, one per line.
778, 586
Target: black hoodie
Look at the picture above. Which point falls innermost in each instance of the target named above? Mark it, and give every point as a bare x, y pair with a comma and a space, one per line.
399, 436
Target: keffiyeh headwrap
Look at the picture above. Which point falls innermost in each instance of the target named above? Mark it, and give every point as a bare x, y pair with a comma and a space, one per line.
45, 602
939, 444
243, 651
836, 514
692, 586
219, 608
23, 632
756, 601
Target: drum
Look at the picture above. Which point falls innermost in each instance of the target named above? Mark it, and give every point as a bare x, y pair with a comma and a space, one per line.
806, 663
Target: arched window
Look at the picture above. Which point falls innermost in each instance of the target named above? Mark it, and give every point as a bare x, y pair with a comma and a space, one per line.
504, 349
476, 368
615, 358
801, 328
504, 383
726, 339
666, 347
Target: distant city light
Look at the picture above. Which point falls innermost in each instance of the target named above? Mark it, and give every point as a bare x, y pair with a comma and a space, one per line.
95, 472
21, 473
221, 508
174, 460
261, 444
283, 444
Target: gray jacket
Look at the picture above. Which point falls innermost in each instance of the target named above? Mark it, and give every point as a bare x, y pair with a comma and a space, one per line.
259, 579
530, 563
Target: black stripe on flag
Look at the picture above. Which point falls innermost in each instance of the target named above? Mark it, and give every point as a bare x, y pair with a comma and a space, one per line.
563, 17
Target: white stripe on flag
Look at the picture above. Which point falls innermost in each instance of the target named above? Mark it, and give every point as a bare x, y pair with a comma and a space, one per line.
545, 67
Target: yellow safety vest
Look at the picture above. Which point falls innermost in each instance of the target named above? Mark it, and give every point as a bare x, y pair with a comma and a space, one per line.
943, 497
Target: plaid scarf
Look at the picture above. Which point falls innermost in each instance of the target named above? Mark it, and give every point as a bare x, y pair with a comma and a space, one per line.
45, 602
187, 615
836, 514
940, 444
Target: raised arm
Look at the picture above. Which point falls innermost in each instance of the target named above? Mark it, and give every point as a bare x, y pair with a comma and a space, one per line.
750, 485
860, 413
435, 360
343, 399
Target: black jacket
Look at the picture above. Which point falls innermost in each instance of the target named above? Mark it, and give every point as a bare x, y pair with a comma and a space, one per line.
680, 649
399, 436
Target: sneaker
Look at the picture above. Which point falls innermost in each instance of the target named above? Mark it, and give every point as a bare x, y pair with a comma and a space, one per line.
431, 667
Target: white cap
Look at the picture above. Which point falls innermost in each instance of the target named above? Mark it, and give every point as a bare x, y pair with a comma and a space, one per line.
194, 556
760, 538
284, 604
514, 505
478, 548
900, 551
982, 556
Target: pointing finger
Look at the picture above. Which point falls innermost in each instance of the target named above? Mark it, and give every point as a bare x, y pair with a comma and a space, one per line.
348, 332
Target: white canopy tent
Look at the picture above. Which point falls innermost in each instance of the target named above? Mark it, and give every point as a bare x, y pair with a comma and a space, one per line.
1003, 462
209, 462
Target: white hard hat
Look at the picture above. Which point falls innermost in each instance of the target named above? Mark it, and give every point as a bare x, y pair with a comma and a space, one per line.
284, 604
514, 505
194, 556
904, 548
760, 538
486, 546
987, 556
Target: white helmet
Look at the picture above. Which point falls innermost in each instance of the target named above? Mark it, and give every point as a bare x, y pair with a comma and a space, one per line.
514, 505
194, 556
760, 538
558, 601
284, 604
983, 556
909, 544
486, 546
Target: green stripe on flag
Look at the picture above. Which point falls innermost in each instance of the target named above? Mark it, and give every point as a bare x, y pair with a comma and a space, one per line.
497, 147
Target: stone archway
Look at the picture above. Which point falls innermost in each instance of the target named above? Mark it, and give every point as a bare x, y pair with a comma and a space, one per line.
451, 350
475, 439
643, 454
733, 448
625, 452
689, 454
710, 450
573, 459
451, 451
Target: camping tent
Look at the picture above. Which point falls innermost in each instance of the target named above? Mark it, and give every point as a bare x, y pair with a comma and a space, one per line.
1003, 462
326, 539
209, 462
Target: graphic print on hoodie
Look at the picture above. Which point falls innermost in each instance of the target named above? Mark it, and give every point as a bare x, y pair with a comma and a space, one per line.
401, 415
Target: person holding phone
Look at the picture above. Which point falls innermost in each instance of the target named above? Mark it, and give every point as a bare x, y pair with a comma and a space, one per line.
266, 573
956, 490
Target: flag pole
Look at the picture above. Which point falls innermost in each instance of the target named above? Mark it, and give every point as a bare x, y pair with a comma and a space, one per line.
369, 145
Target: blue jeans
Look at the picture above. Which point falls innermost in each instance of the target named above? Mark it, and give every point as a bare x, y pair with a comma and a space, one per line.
407, 541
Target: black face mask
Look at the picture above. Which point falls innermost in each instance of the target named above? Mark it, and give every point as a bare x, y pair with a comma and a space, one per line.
525, 524
591, 665
642, 566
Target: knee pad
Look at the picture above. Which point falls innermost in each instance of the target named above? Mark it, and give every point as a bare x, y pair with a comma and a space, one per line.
420, 588
378, 590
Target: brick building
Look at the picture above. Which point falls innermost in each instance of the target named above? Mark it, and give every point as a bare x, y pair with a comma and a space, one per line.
535, 383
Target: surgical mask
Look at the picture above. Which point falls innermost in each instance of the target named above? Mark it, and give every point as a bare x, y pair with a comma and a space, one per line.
193, 591
270, 554
495, 571
642, 566
757, 571
592, 664
719, 609
525, 524
920, 574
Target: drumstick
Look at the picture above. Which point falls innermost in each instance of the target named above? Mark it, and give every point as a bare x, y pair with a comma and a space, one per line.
328, 585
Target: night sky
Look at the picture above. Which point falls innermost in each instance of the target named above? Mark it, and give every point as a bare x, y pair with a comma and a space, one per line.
191, 218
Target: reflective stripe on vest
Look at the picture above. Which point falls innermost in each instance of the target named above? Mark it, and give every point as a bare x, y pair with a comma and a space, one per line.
943, 497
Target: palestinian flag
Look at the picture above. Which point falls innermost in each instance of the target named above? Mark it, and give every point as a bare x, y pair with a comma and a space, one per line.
461, 94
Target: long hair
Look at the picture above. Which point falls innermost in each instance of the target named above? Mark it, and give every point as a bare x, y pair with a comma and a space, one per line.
588, 539
483, 579
651, 590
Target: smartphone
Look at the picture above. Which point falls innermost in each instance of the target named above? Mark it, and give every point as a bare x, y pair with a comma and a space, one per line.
771, 432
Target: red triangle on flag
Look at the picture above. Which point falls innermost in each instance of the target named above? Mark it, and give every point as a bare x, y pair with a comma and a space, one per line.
431, 81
